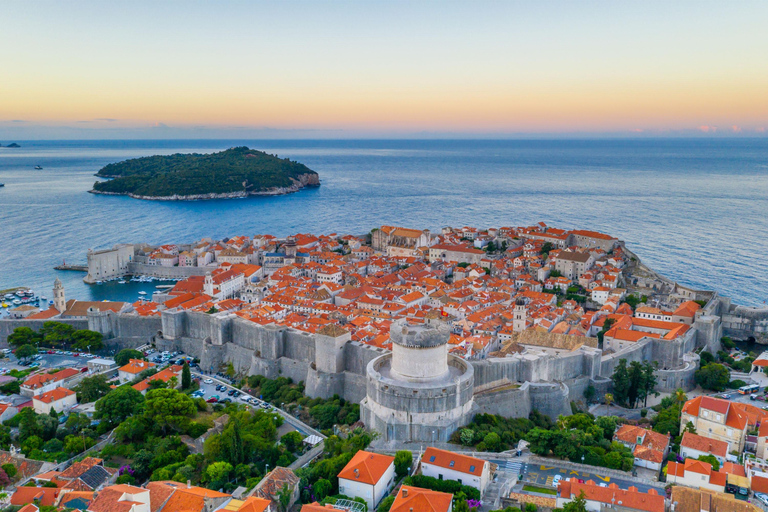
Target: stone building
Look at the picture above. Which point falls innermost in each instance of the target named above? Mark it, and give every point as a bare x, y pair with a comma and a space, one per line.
108, 263
418, 392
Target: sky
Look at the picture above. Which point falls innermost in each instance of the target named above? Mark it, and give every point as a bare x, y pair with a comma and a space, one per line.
333, 69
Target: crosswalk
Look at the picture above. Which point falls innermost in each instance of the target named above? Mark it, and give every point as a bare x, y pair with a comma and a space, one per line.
510, 466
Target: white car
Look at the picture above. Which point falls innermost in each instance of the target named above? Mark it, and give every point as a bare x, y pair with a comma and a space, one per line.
208, 381
762, 497
556, 480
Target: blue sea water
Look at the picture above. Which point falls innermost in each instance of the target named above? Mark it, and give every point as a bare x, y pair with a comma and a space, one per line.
696, 210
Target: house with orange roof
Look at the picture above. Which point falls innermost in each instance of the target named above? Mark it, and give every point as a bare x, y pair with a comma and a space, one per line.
369, 476
599, 498
447, 465
649, 448
163, 375
693, 446
132, 370
697, 474
122, 498
59, 399
44, 382
718, 419
167, 496
416, 499
38, 496
760, 365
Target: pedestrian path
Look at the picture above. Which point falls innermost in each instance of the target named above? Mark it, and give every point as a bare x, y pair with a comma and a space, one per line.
516, 467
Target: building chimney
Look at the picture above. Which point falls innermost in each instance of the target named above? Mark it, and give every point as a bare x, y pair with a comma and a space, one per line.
189, 484
405, 493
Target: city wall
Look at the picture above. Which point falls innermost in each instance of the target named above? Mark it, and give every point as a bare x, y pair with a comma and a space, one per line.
143, 269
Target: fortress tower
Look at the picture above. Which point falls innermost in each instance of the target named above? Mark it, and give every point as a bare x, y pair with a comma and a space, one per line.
419, 392
59, 301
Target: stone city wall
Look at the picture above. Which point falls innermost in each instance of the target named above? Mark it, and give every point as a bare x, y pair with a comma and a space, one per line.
142, 269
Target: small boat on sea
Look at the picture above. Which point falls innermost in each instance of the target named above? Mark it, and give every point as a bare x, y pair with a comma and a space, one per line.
142, 293
16, 302
122, 282
38, 168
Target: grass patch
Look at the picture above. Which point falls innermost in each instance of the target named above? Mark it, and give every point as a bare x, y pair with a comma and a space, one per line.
542, 490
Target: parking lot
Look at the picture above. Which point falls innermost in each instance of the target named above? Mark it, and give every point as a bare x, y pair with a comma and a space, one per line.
545, 475
48, 361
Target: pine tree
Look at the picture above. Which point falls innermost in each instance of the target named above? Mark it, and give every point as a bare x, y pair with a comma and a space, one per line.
186, 377
621, 382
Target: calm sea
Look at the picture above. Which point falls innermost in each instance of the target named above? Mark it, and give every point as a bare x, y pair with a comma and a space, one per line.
695, 210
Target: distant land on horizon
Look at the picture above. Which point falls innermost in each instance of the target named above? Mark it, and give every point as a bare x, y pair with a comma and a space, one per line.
235, 172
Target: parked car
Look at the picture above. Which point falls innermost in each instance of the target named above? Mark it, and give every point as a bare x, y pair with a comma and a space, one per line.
208, 381
83, 369
212, 400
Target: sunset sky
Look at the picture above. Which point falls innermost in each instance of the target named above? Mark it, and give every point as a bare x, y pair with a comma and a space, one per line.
364, 68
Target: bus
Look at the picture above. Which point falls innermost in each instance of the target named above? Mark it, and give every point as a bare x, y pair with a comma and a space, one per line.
747, 390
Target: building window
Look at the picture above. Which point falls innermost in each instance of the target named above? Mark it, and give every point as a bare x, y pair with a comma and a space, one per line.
451, 464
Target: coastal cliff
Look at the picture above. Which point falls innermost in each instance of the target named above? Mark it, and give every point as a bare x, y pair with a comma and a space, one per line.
234, 173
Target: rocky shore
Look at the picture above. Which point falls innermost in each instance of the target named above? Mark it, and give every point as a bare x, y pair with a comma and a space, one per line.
305, 180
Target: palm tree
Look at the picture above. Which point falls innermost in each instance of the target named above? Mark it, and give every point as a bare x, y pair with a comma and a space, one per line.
608, 400
680, 396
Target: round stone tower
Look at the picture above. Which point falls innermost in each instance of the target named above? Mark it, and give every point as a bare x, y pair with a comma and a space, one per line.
418, 392
419, 353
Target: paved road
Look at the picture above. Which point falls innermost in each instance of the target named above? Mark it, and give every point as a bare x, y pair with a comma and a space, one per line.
545, 474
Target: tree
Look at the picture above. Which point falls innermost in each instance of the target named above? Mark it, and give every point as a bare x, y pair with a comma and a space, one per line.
713, 376
461, 506
385, 504
322, 488
218, 472
119, 404
23, 336
168, 408
706, 357
712, 460
91, 389
292, 441
124, 356
577, 504
284, 497
26, 351
4, 479
608, 400
403, 462
9, 469
589, 393
467, 436
649, 381
84, 339
186, 377
606, 327
173, 382
56, 333
622, 382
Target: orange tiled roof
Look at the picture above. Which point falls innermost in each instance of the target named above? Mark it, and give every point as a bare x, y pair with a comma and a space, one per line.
415, 499
366, 467
454, 461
